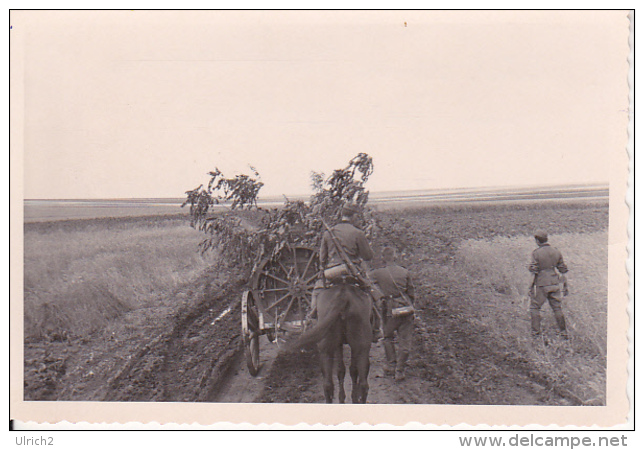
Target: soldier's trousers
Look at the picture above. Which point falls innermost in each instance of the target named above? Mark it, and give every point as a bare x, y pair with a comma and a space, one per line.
404, 327
553, 295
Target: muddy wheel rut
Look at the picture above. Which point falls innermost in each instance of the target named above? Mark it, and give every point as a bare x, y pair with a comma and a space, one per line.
190, 359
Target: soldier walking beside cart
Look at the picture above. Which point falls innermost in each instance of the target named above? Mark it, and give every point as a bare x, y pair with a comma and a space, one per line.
549, 271
398, 313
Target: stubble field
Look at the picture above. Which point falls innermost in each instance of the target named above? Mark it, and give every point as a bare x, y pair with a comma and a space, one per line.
125, 309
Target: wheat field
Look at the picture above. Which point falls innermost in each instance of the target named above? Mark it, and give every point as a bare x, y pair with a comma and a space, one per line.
77, 279
496, 279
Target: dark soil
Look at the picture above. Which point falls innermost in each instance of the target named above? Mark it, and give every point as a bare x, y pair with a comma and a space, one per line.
150, 354
183, 349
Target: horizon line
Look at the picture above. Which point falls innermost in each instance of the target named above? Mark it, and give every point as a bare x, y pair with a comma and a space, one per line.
592, 185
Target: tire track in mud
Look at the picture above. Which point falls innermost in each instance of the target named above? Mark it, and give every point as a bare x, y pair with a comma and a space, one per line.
239, 386
190, 360
203, 345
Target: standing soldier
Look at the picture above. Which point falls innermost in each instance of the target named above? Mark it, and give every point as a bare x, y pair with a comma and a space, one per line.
548, 268
395, 283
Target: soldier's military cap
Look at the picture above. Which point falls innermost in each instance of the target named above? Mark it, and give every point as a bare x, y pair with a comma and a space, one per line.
349, 209
541, 235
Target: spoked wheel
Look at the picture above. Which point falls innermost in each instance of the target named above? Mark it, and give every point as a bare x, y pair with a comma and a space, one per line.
284, 286
250, 331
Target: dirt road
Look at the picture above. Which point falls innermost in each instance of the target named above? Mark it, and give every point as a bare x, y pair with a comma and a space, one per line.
456, 370
198, 358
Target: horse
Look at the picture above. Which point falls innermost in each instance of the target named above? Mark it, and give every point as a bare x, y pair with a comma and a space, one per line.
344, 316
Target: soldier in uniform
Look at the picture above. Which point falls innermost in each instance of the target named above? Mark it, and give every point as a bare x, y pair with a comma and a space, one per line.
549, 270
395, 283
353, 241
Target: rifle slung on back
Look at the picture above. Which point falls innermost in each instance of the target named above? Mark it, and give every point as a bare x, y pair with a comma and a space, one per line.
375, 293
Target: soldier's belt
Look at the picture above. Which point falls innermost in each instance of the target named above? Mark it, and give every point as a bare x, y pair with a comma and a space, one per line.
348, 281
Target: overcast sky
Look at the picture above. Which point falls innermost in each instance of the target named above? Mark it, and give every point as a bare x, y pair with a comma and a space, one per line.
144, 104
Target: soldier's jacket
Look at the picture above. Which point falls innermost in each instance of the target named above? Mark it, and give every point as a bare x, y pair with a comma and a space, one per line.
392, 280
544, 261
353, 241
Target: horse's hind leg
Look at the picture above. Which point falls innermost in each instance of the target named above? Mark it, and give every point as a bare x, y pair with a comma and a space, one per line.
363, 375
341, 373
353, 371
326, 359
359, 374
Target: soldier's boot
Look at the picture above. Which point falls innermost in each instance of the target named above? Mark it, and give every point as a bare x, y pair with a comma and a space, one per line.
313, 313
535, 320
401, 365
390, 354
375, 329
561, 322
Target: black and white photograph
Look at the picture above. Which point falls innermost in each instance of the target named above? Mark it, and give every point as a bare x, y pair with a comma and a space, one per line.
243, 216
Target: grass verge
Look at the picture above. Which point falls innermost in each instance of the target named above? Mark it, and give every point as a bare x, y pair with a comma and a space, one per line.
78, 278
494, 280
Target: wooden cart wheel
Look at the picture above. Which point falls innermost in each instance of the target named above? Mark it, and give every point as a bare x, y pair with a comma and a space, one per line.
284, 287
250, 331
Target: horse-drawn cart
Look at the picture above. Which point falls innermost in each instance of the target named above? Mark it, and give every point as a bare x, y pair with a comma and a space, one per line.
279, 298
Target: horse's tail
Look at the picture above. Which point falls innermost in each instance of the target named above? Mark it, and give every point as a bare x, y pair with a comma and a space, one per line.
337, 305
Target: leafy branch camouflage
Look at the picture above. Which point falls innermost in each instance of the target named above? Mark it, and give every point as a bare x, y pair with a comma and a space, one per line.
246, 233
